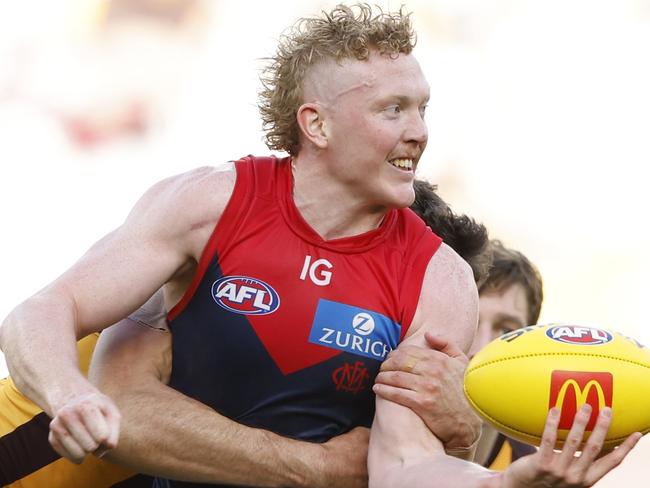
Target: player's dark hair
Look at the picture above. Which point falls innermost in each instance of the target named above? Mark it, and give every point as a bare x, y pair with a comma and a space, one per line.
510, 267
462, 233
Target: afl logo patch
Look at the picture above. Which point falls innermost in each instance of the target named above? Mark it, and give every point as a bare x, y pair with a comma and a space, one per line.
580, 336
245, 295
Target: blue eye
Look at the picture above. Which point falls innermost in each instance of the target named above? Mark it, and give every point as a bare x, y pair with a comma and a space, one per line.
423, 110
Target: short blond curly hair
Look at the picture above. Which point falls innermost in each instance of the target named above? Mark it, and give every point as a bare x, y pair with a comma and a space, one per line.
343, 33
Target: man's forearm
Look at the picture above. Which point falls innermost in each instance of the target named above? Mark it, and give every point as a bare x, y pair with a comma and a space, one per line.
434, 472
41, 355
167, 434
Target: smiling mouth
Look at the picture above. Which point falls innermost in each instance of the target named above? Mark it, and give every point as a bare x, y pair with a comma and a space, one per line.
404, 164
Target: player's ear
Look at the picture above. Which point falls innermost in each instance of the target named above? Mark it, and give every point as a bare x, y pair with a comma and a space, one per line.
311, 119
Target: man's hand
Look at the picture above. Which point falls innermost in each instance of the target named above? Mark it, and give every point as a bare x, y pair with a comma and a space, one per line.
430, 382
564, 469
84, 424
345, 461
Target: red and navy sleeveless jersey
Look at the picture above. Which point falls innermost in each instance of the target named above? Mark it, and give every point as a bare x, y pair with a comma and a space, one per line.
285, 331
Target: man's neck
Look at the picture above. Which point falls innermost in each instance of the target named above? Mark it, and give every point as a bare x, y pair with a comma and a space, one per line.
330, 207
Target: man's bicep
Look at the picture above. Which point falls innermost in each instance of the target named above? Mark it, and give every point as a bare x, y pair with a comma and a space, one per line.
165, 231
113, 278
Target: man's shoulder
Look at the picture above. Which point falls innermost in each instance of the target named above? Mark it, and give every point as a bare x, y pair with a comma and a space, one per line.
446, 261
197, 181
202, 188
178, 206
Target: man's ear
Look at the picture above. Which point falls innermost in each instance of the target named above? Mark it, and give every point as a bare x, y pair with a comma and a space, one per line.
312, 123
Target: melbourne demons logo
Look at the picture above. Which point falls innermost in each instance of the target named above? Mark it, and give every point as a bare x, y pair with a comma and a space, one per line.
572, 389
351, 378
571, 334
244, 295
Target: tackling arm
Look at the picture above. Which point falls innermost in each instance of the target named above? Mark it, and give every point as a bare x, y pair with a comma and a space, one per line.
403, 451
168, 434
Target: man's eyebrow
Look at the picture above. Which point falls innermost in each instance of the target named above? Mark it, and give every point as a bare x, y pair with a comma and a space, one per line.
405, 99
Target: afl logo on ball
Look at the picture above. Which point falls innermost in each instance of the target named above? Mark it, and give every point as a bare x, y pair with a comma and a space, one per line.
585, 336
245, 295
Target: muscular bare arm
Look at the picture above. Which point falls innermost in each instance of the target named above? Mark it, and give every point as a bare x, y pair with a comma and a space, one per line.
168, 434
404, 452
163, 233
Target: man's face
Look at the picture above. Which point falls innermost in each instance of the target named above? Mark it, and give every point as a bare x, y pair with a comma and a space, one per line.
499, 312
374, 117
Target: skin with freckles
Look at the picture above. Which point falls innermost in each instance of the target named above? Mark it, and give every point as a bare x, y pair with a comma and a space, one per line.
361, 126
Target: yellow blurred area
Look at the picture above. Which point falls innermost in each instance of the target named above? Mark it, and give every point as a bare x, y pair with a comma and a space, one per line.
538, 127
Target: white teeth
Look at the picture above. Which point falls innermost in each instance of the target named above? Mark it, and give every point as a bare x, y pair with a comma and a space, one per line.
402, 163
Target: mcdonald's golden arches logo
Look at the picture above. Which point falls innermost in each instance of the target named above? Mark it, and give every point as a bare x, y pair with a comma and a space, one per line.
572, 389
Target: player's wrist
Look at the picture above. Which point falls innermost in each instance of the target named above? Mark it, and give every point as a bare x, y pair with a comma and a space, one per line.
295, 464
463, 452
466, 435
58, 396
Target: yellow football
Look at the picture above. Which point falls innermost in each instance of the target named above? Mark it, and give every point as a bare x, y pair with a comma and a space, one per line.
514, 380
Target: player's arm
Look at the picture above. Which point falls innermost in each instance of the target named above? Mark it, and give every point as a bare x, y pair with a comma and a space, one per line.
429, 381
112, 279
404, 452
168, 434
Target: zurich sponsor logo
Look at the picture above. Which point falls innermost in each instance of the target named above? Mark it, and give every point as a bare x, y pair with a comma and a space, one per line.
245, 295
579, 335
354, 330
363, 323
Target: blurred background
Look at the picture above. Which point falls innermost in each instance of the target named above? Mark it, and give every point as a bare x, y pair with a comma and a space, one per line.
539, 121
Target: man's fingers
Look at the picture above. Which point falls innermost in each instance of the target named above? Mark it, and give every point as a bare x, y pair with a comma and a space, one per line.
87, 424
398, 379
64, 444
113, 418
445, 346
404, 360
84, 439
574, 438
602, 466
596, 439
549, 436
401, 396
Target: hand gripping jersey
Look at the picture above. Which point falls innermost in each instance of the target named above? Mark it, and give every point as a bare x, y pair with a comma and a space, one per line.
285, 331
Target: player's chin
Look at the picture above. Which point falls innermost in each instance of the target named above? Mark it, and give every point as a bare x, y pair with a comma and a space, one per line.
402, 196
